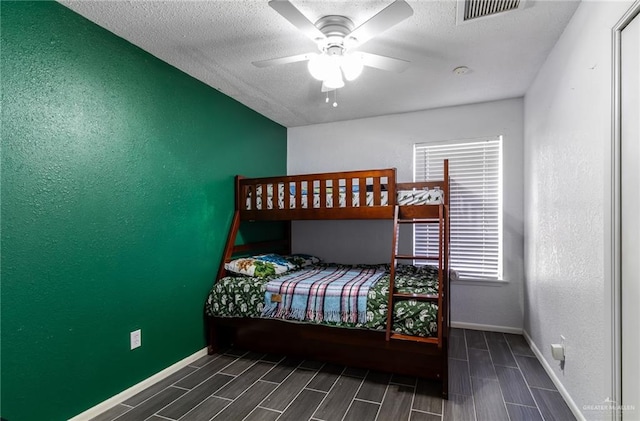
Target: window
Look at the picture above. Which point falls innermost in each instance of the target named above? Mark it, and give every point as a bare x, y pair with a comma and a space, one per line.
475, 204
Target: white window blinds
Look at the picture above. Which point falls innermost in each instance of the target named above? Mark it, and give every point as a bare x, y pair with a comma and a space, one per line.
475, 205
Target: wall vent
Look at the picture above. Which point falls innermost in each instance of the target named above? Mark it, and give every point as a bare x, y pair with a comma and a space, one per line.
475, 9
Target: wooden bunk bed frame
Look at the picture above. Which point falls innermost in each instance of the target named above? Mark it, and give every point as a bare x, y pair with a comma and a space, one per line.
362, 348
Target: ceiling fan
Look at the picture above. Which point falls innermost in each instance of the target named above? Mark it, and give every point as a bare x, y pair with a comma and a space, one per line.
338, 40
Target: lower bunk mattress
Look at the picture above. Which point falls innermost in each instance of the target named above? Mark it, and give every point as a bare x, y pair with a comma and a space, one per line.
245, 296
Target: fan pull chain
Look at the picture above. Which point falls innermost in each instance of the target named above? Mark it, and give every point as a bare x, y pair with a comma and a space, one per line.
326, 100
335, 98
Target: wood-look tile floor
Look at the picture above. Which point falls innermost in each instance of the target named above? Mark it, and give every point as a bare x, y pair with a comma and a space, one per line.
493, 377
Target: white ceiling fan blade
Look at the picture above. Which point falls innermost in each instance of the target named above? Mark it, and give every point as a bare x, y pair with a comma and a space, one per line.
282, 60
391, 15
296, 18
385, 63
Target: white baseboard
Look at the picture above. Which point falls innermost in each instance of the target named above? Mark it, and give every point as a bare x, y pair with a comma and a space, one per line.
137, 388
554, 378
490, 328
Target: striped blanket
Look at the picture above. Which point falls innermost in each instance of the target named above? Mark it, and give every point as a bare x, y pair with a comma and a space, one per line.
322, 294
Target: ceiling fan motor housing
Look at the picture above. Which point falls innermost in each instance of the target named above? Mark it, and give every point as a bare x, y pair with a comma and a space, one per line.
336, 29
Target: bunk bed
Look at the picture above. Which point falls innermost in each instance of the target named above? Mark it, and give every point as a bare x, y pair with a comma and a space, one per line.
371, 343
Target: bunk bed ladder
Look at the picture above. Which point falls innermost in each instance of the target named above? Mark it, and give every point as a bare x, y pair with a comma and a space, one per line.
411, 215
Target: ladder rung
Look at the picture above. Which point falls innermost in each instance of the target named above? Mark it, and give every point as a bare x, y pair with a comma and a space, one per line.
414, 338
406, 256
419, 297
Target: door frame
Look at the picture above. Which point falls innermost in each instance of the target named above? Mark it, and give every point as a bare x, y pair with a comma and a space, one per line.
616, 209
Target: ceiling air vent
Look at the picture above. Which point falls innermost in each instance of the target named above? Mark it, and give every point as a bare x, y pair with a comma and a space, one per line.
474, 9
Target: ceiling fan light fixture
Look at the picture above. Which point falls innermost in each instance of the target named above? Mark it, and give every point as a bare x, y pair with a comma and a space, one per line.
334, 78
352, 66
319, 66
332, 84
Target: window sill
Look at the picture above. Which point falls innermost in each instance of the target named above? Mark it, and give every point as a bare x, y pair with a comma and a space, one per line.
481, 282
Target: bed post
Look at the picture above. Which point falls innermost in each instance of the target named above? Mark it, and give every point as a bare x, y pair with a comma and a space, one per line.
446, 182
210, 334
392, 196
446, 301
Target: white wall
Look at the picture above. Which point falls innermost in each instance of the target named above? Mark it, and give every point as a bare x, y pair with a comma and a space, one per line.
387, 141
567, 190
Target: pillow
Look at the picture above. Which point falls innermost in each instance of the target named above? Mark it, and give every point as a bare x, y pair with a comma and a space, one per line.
260, 266
420, 197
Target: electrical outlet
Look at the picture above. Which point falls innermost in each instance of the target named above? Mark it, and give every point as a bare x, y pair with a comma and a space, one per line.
558, 351
136, 339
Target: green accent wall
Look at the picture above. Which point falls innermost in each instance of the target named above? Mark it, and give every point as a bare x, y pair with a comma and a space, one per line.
117, 194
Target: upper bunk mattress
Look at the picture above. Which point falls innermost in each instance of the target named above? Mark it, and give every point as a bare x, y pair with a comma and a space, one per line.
404, 197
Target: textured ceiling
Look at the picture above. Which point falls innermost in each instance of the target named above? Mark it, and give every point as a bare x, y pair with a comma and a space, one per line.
216, 41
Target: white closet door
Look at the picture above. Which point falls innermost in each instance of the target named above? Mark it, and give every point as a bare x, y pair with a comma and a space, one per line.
630, 218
